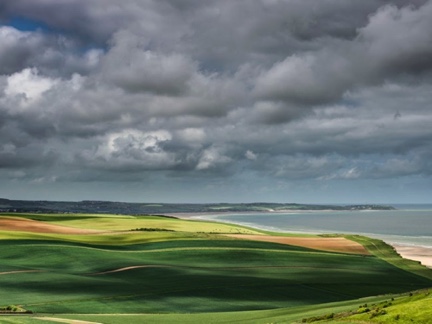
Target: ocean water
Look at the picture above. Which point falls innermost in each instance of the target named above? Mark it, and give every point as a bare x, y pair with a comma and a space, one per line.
408, 225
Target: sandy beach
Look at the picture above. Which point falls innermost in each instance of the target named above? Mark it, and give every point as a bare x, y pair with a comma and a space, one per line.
417, 253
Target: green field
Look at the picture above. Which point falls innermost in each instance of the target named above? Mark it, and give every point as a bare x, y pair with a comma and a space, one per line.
173, 270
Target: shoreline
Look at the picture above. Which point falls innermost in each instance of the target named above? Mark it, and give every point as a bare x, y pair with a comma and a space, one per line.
408, 251
416, 253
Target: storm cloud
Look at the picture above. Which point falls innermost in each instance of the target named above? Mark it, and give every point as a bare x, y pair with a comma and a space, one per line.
216, 100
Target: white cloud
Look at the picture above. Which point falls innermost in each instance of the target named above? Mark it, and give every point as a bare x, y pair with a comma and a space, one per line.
251, 155
211, 158
193, 136
352, 173
28, 85
131, 149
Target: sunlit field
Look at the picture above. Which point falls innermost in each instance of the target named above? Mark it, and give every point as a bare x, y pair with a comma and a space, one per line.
89, 266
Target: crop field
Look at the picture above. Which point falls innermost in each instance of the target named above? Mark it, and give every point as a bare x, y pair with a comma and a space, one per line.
106, 268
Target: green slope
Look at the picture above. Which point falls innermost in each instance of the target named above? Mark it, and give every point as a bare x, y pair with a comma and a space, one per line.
182, 272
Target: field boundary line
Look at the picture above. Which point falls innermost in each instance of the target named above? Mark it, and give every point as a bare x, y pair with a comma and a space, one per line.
65, 320
19, 271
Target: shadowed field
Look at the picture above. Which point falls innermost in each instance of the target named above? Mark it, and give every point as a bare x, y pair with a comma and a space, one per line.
103, 264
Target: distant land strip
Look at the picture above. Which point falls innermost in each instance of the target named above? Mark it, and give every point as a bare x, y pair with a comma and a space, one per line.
111, 207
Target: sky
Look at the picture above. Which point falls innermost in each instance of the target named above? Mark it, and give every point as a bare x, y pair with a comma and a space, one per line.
306, 101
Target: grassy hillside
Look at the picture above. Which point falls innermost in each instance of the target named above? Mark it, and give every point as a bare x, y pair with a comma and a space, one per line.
403, 309
174, 267
413, 307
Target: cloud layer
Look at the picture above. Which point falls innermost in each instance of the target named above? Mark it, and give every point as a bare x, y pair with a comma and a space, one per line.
262, 95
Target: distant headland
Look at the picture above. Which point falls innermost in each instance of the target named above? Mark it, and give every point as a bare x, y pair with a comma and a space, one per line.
110, 207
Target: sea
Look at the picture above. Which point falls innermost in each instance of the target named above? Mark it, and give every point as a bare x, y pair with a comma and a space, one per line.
408, 225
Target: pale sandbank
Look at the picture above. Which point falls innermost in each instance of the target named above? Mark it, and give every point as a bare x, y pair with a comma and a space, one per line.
417, 253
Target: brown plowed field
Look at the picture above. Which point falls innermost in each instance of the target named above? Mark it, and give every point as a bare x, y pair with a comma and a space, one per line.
28, 225
331, 244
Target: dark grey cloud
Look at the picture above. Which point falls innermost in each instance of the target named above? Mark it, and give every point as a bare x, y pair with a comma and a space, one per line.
216, 93
395, 42
51, 54
91, 21
17, 49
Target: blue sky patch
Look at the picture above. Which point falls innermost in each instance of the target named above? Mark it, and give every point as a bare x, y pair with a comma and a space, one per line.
27, 24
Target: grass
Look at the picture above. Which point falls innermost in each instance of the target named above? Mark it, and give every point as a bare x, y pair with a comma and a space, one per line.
115, 239
281, 315
413, 307
386, 252
23, 320
187, 274
406, 308
126, 223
